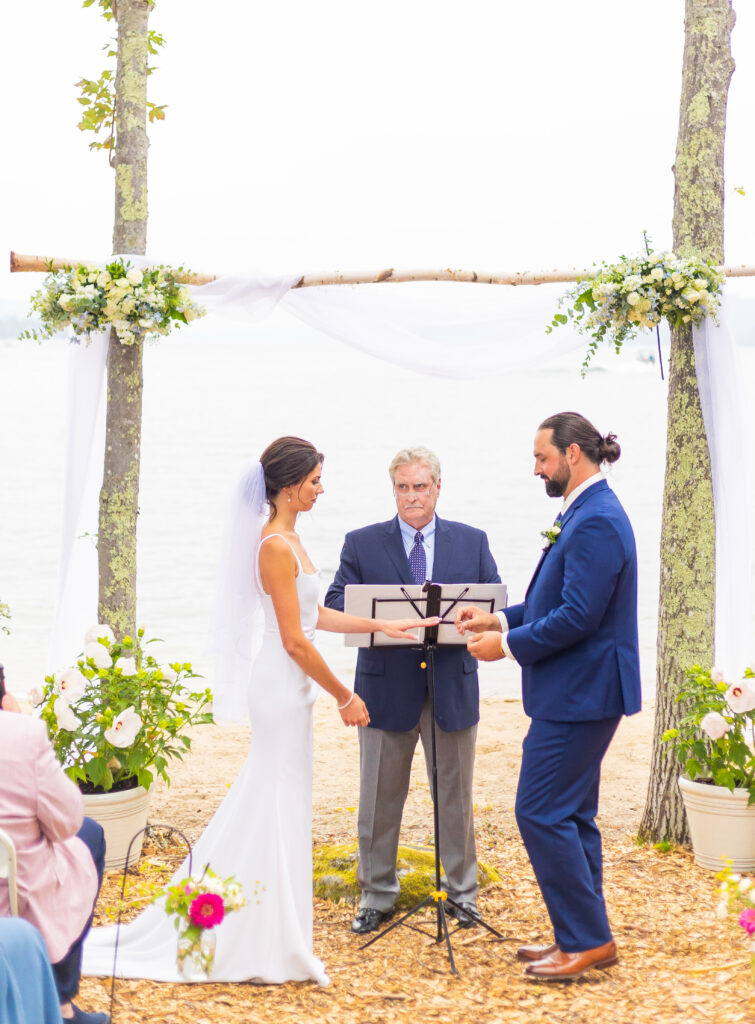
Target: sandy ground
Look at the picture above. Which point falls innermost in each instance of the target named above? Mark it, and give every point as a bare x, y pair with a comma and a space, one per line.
217, 754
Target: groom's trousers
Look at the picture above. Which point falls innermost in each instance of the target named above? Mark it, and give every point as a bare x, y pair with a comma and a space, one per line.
556, 804
385, 770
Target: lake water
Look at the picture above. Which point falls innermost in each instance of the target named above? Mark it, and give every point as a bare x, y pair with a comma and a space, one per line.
214, 400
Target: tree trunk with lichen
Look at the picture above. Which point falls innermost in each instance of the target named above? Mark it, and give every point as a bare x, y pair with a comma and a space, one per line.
119, 497
687, 594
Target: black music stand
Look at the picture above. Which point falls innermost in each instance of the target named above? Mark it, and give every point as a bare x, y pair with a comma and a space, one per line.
435, 603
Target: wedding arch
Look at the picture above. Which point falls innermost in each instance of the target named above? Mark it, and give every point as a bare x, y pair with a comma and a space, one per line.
511, 339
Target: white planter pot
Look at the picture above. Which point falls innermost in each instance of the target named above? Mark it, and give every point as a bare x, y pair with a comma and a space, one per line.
721, 825
121, 815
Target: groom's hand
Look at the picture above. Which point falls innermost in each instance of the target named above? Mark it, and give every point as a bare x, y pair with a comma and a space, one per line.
485, 646
475, 620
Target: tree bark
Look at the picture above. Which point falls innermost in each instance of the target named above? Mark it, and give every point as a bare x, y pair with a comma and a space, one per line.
119, 497
686, 617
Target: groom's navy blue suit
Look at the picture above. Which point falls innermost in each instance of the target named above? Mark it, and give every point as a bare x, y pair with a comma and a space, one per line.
575, 636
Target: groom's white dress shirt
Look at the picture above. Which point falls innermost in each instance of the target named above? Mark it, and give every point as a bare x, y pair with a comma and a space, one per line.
568, 502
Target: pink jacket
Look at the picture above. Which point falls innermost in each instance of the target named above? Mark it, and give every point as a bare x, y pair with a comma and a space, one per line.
42, 810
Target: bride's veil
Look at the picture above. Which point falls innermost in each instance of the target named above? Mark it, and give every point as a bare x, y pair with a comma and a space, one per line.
239, 597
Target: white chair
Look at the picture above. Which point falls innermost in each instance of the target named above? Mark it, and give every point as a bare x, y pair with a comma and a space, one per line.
8, 869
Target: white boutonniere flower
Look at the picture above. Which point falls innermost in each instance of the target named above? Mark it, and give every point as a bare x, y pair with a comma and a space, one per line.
551, 535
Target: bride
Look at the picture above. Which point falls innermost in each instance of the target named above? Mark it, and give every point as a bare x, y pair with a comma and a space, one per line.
262, 831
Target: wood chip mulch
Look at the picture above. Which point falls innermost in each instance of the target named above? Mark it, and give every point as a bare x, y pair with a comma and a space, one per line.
678, 962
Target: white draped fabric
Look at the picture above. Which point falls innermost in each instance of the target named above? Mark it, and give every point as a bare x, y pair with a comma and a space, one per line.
421, 327
723, 404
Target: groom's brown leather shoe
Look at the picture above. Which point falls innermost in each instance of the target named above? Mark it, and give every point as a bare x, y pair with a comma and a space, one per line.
560, 966
532, 953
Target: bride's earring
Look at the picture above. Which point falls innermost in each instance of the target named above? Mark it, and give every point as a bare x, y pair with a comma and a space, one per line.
289, 499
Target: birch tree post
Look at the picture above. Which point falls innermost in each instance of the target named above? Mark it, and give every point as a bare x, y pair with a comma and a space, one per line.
686, 616
119, 497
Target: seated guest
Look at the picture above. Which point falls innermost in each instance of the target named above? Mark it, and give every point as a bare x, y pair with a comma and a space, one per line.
60, 853
27, 987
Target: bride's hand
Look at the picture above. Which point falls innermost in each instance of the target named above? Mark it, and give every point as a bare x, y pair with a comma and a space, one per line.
398, 629
355, 712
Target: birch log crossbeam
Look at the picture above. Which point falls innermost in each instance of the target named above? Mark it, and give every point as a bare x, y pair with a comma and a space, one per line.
42, 264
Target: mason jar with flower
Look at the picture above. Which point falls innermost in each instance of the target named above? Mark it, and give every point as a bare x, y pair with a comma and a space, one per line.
715, 745
116, 719
198, 906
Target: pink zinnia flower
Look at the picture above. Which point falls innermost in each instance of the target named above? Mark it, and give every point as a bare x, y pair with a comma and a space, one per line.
207, 910
747, 920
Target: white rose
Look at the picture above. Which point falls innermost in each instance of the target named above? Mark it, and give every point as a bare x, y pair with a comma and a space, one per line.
657, 273
633, 298
70, 684
715, 725
722, 910
632, 282
65, 300
104, 279
127, 666
99, 654
124, 284
99, 632
716, 675
66, 718
741, 696
134, 276
122, 732
169, 673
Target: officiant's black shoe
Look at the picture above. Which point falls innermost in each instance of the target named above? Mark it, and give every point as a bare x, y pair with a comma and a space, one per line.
466, 914
369, 919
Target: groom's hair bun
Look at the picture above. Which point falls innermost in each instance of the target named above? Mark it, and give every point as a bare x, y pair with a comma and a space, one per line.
574, 428
287, 461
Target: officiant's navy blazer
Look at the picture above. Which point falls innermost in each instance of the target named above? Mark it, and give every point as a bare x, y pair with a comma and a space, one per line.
575, 634
391, 681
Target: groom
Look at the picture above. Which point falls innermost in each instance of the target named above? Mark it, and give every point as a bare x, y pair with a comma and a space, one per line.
413, 547
575, 636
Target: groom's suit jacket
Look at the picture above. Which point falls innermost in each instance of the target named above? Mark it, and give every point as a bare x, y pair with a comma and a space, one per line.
390, 680
575, 634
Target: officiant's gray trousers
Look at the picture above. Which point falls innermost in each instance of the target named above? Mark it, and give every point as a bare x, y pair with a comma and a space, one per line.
385, 761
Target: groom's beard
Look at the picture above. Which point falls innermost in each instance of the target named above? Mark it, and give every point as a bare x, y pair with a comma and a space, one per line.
557, 484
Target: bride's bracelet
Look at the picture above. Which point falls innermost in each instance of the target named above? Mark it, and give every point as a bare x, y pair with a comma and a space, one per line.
342, 707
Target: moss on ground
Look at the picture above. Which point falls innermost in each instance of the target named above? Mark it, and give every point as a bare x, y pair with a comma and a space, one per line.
335, 873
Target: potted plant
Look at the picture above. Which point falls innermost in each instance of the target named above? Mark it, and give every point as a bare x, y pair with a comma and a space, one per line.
116, 720
715, 744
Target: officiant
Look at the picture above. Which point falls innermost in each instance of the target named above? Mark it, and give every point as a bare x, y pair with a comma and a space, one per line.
415, 546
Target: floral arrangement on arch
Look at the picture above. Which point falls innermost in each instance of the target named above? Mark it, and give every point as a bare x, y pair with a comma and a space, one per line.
135, 303
715, 740
636, 294
118, 715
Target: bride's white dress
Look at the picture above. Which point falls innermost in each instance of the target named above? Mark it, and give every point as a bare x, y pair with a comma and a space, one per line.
261, 833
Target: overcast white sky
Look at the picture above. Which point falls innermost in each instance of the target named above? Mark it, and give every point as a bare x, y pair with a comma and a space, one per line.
302, 136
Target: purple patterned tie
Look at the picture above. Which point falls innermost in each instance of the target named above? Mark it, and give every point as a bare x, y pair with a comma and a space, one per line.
417, 559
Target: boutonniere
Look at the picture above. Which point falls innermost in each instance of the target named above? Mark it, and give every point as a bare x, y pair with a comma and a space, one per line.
552, 534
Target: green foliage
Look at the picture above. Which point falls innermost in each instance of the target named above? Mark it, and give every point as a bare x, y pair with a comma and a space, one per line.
4, 614
97, 95
636, 294
120, 716
714, 742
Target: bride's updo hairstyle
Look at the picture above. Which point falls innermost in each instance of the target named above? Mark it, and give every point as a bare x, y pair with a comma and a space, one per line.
572, 428
286, 462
